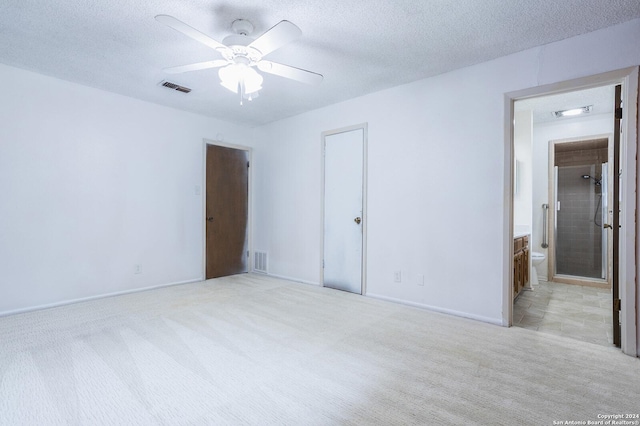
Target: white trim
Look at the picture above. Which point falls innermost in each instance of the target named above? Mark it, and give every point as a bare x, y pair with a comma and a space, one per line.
628, 283
365, 143
283, 277
100, 296
481, 318
507, 226
628, 77
204, 200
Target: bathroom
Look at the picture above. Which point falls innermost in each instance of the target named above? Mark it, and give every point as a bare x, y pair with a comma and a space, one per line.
562, 203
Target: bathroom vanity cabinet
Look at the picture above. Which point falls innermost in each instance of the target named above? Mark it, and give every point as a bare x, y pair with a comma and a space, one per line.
520, 264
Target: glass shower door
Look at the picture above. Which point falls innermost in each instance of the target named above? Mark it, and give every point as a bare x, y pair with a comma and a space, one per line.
579, 243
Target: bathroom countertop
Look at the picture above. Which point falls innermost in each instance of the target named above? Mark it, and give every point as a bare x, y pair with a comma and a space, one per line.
520, 234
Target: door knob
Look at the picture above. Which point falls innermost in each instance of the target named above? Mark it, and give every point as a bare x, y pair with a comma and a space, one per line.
210, 219
357, 220
606, 225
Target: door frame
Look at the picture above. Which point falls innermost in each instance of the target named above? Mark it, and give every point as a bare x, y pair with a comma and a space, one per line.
365, 138
249, 150
628, 243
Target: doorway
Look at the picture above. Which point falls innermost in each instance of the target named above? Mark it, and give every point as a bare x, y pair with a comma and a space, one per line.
344, 205
226, 211
626, 268
572, 296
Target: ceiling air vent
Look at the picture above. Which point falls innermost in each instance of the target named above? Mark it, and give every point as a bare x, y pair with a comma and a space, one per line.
174, 86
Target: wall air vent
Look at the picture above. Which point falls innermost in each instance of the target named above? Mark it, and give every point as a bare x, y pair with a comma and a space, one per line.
174, 86
260, 261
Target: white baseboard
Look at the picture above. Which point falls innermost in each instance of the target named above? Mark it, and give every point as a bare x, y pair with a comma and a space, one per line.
495, 321
481, 318
283, 277
99, 296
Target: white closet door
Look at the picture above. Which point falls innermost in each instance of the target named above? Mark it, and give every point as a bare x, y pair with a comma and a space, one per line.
343, 189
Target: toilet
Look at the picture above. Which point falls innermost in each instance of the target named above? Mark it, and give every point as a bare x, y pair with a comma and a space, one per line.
536, 258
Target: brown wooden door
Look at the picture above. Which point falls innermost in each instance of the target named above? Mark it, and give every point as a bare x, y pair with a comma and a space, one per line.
227, 211
615, 222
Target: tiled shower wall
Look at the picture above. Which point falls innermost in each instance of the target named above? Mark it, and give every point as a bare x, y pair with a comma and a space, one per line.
578, 236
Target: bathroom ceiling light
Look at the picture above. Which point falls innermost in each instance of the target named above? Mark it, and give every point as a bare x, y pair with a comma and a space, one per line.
573, 112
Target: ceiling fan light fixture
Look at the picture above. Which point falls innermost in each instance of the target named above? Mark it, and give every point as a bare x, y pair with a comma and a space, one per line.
240, 78
242, 53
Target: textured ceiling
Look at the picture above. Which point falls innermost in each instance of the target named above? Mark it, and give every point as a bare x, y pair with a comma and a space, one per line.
359, 46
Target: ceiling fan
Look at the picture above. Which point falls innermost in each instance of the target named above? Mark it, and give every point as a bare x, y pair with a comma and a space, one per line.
242, 55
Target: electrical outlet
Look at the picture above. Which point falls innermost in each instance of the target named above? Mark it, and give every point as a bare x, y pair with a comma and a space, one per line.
397, 277
137, 268
420, 279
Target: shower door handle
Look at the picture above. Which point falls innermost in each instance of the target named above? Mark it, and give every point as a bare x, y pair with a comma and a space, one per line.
545, 238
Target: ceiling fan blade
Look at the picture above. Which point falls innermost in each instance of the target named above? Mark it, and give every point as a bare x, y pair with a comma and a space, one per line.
293, 73
277, 36
185, 29
195, 67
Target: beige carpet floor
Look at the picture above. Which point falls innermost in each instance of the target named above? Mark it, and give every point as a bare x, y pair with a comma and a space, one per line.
255, 350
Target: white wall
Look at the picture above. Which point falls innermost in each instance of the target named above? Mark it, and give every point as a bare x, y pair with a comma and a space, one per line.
543, 133
92, 183
523, 185
436, 175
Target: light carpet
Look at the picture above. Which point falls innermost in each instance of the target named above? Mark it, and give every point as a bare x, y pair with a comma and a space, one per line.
251, 349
